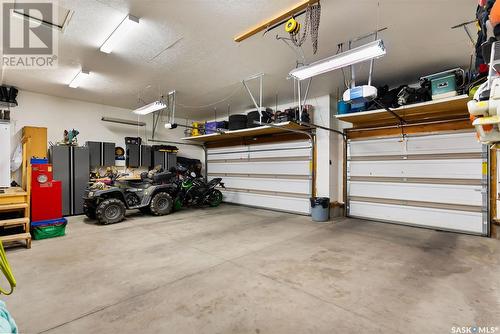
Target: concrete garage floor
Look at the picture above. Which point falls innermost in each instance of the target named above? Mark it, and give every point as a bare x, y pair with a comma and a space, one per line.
241, 270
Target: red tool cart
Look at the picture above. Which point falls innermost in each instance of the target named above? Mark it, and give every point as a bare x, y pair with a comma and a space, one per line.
46, 194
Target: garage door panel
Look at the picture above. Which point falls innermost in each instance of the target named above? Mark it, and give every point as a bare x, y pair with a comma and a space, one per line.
278, 168
375, 147
274, 176
232, 149
435, 193
304, 152
426, 180
289, 145
446, 168
470, 222
436, 144
302, 187
275, 154
288, 204
227, 156
449, 143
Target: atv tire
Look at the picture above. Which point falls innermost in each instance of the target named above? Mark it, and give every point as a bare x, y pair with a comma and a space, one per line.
110, 211
89, 212
215, 198
161, 204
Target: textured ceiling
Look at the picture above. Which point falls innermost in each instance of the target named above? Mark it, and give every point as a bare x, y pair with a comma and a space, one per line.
188, 46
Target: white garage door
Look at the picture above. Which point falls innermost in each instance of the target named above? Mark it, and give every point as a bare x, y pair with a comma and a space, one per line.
434, 181
272, 176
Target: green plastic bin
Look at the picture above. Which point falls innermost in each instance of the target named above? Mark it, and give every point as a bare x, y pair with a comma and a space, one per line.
50, 231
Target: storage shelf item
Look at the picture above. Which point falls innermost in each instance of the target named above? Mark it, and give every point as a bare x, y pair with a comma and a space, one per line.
12, 201
439, 110
276, 128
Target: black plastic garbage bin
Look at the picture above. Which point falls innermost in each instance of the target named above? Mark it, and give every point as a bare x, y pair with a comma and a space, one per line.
320, 209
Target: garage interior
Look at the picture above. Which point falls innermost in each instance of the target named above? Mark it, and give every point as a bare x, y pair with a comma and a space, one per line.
250, 167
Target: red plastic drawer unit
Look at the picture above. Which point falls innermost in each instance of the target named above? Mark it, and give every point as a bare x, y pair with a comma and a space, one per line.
46, 194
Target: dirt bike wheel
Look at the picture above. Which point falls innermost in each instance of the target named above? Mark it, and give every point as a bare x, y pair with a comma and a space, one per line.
215, 198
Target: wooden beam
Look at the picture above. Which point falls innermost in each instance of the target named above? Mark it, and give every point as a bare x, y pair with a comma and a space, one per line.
275, 20
454, 125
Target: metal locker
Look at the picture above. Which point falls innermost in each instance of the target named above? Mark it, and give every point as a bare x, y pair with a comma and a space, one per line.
108, 154
80, 177
59, 157
133, 155
95, 153
159, 159
171, 159
146, 156
71, 167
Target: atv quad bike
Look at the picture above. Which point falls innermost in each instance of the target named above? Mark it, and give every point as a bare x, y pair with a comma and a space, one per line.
151, 194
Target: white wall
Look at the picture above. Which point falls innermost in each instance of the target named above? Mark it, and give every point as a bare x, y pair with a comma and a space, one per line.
58, 114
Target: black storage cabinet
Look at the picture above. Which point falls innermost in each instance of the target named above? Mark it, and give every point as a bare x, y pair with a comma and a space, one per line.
71, 167
101, 154
166, 160
138, 156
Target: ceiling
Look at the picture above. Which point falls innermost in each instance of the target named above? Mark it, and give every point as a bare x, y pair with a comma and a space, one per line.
188, 46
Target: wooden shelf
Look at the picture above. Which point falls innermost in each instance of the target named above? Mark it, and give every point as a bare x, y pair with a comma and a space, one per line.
14, 222
18, 237
277, 128
10, 207
16, 199
440, 110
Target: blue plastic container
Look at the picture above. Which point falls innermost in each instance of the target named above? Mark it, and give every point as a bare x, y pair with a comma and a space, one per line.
343, 107
49, 222
39, 161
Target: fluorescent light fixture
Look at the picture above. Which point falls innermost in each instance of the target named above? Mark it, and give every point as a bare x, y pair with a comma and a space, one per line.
360, 54
79, 78
122, 121
150, 108
123, 29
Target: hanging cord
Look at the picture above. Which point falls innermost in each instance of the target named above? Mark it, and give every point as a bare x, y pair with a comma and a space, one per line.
7, 271
299, 52
340, 48
237, 90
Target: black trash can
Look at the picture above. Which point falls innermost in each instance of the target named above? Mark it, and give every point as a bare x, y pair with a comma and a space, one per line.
320, 209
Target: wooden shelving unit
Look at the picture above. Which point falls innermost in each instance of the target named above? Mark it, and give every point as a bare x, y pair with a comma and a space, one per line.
16, 200
277, 128
440, 110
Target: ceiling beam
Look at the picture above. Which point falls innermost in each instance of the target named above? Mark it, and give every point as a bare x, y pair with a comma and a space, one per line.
275, 20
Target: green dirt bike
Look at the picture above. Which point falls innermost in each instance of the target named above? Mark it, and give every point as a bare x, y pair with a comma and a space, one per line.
194, 191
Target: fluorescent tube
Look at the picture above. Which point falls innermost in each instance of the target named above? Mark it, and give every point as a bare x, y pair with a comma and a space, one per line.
150, 108
360, 54
123, 29
79, 78
122, 121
